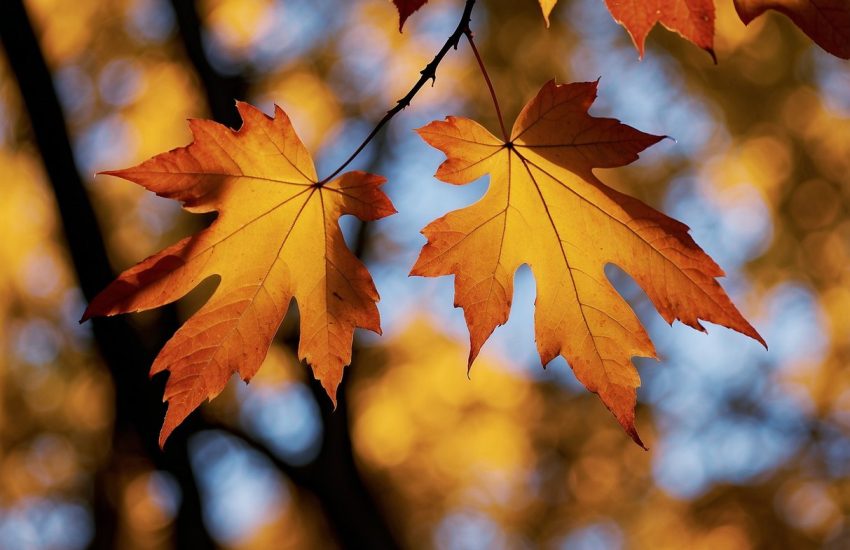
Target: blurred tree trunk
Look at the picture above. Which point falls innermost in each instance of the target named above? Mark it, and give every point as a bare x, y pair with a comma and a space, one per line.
137, 403
332, 477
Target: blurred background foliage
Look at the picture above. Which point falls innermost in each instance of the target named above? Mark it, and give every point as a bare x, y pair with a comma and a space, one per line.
749, 449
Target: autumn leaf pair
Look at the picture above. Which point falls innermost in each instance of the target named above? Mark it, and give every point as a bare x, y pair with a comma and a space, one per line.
277, 237
827, 22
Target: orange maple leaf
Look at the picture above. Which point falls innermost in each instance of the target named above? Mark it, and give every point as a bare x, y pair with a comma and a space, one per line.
827, 22
545, 208
692, 19
276, 237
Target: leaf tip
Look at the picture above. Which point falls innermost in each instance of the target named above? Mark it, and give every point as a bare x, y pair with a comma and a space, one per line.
748, 329
631, 430
165, 432
754, 334
114, 173
330, 387
402, 18
247, 111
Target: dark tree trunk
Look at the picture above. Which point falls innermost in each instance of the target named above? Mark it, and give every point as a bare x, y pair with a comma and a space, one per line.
138, 406
333, 477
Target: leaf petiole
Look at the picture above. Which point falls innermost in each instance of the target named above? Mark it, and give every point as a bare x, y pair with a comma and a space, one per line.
478, 58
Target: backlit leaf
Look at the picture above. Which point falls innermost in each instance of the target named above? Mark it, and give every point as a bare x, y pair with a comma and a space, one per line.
276, 237
547, 209
692, 19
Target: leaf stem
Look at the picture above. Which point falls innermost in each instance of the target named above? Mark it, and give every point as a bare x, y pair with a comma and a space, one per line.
478, 58
428, 73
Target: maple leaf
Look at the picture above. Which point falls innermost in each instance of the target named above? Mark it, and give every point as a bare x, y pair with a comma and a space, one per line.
406, 8
692, 19
276, 237
545, 208
827, 22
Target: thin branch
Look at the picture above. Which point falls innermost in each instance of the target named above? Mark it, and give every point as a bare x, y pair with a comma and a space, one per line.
297, 474
478, 58
428, 73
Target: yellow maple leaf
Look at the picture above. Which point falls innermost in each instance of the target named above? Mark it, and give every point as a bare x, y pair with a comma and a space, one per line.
545, 208
276, 237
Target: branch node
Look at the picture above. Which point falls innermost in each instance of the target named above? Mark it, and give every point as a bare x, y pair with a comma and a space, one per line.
428, 73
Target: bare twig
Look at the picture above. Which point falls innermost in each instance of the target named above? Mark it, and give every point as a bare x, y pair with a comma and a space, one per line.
428, 73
